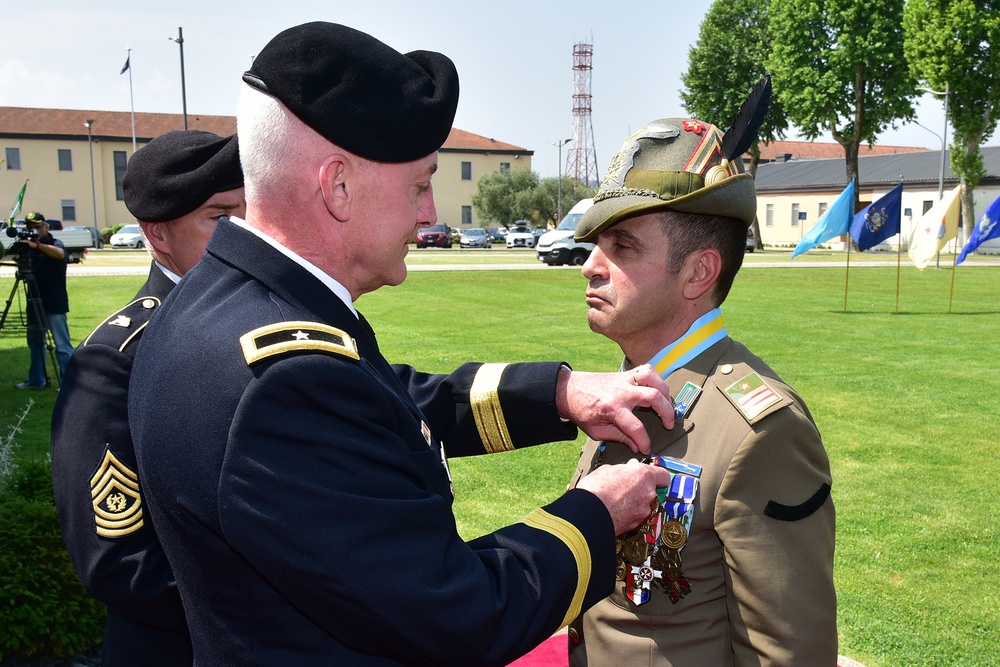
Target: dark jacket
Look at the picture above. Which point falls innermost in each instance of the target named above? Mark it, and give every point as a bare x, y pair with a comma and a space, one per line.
298, 486
98, 496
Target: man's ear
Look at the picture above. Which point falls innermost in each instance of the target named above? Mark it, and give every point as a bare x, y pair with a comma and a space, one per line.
154, 233
701, 271
337, 185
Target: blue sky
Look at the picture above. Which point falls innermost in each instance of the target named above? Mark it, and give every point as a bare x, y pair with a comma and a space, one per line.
514, 59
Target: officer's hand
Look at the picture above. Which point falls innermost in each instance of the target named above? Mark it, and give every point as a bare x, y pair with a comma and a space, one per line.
627, 490
601, 403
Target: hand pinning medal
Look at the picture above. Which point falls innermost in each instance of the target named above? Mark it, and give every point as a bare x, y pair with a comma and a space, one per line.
651, 554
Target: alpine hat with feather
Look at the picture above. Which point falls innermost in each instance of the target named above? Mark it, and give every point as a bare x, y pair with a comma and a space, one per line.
681, 165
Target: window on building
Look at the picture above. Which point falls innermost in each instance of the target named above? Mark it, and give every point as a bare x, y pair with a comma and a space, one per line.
65, 160
121, 161
13, 158
466, 215
795, 215
504, 167
769, 216
466, 171
928, 205
822, 209
69, 210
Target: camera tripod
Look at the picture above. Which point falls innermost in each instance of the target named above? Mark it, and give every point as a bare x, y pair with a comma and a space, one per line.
35, 320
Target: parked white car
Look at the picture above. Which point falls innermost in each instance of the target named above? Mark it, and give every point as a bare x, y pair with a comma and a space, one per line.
129, 236
520, 235
558, 247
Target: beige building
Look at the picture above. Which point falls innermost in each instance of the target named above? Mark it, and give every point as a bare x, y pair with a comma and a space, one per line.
52, 149
793, 193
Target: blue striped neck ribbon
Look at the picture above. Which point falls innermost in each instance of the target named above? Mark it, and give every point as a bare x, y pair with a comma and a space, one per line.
705, 332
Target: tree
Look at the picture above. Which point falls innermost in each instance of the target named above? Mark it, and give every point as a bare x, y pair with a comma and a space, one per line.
715, 85
838, 66
496, 195
955, 44
546, 198
503, 197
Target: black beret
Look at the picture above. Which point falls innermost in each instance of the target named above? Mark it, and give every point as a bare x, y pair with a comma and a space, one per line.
177, 172
359, 93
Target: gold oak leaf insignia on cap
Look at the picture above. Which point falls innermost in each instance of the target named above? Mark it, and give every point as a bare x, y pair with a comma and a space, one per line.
114, 494
286, 337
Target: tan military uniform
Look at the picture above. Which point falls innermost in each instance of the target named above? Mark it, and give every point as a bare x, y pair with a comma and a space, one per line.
759, 558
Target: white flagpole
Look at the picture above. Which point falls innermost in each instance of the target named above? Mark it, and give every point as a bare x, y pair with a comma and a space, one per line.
130, 98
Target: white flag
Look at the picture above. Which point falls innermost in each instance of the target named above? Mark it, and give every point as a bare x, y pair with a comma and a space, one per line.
938, 226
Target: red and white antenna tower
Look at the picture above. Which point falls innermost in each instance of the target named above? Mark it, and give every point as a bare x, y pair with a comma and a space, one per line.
581, 158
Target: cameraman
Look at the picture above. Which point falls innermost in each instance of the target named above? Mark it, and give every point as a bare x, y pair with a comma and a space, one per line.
47, 257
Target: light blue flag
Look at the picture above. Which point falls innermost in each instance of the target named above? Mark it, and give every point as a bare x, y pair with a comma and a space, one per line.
986, 229
833, 223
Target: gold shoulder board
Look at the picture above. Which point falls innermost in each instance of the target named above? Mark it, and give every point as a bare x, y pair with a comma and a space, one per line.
285, 337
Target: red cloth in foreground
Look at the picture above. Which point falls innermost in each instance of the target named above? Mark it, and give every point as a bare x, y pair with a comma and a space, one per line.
550, 653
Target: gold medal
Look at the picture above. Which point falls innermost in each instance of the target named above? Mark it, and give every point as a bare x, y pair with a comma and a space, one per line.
673, 534
635, 549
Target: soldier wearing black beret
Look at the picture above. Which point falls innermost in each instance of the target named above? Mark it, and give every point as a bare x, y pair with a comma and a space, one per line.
299, 481
178, 186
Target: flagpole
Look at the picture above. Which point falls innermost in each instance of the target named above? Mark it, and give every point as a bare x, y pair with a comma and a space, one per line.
130, 98
954, 265
899, 244
899, 253
847, 276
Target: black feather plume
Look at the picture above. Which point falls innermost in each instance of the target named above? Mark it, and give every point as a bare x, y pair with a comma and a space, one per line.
743, 132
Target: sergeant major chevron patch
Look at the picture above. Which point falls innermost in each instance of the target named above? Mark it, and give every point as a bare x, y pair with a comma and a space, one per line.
114, 492
285, 337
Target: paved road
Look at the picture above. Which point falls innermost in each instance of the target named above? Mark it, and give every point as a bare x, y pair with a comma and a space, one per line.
84, 270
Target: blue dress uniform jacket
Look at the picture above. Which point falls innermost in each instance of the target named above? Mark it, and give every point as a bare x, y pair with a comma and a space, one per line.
759, 553
107, 529
297, 482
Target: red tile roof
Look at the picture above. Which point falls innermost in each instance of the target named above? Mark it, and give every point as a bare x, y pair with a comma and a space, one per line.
812, 149
118, 124
460, 139
107, 124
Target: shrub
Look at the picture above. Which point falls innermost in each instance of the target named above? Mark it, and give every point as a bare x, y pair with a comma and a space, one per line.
44, 609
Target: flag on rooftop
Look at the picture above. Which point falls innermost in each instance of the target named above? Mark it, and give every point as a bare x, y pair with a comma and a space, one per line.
986, 229
878, 221
834, 222
125, 68
938, 226
16, 206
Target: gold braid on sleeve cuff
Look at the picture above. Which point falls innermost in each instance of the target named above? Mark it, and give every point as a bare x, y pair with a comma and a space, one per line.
484, 397
574, 540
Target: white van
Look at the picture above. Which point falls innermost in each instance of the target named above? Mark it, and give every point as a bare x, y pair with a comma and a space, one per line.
558, 247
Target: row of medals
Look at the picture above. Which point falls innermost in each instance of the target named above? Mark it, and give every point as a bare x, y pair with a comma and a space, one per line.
659, 560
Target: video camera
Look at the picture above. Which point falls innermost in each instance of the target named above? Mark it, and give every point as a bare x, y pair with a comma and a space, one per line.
20, 247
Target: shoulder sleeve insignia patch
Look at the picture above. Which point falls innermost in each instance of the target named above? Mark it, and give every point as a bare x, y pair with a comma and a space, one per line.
114, 494
752, 396
285, 337
776, 510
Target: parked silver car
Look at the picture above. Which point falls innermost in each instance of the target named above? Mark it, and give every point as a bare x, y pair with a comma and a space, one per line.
476, 237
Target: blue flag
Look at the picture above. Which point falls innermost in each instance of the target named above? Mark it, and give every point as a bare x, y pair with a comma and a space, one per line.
125, 68
986, 229
833, 223
879, 220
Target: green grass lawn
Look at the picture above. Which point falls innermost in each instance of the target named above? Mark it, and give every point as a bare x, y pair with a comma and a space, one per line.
907, 403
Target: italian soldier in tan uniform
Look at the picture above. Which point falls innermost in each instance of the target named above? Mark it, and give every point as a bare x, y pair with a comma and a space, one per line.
734, 566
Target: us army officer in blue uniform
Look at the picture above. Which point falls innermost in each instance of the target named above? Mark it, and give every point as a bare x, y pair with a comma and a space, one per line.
298, 482
178, 186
